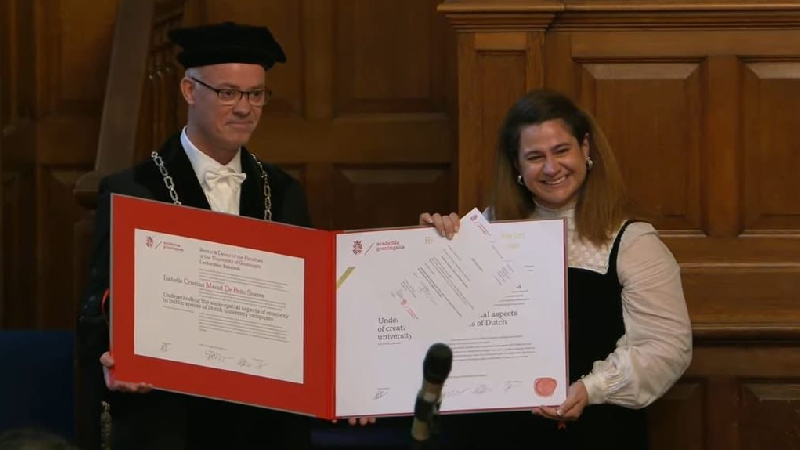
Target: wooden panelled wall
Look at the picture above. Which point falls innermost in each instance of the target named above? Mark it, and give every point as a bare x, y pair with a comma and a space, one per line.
700, 101
702, 105
365, 107
363, 115
53, 59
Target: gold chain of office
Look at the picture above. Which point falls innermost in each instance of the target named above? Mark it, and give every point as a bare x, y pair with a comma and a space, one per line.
174, 195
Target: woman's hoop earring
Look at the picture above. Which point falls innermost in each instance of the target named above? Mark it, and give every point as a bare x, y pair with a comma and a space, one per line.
589, 163
519, 180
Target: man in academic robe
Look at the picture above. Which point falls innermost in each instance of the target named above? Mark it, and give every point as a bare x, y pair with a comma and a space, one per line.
204, 166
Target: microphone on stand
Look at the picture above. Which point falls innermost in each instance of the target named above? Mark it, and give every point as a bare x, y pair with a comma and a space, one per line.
435, 370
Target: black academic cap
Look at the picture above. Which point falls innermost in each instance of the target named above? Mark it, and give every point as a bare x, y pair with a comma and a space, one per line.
227, 42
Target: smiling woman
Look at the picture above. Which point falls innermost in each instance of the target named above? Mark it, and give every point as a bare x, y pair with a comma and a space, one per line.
629, 331
554, 155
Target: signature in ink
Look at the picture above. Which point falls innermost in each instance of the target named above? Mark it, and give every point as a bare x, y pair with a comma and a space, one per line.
243, 362
212, 355
508, 385
165, 346
454, 392
481, 389
251, 364
476, 389
381, 392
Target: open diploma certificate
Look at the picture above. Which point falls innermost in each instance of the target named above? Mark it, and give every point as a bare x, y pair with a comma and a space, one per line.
512, 356
335, 324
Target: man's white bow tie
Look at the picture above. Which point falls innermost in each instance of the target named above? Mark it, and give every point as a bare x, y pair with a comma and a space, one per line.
224, 175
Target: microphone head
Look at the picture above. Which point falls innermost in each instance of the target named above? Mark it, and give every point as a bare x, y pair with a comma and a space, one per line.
437, 364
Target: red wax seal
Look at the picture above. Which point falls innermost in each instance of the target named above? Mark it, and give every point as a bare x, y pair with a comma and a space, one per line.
545, 387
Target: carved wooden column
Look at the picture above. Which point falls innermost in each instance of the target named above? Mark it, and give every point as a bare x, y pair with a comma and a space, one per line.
500, 57
140, 108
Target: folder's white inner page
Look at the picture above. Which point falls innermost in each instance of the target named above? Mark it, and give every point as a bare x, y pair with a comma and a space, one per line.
218, 306
510, 355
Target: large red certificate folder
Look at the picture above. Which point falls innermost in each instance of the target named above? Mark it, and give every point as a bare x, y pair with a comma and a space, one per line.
315, 396
318, 394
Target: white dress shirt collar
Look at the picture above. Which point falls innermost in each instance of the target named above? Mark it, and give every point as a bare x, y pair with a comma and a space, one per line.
202, 162
221, 183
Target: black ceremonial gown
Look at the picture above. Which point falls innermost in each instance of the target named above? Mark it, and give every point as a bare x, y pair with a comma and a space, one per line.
163, 420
